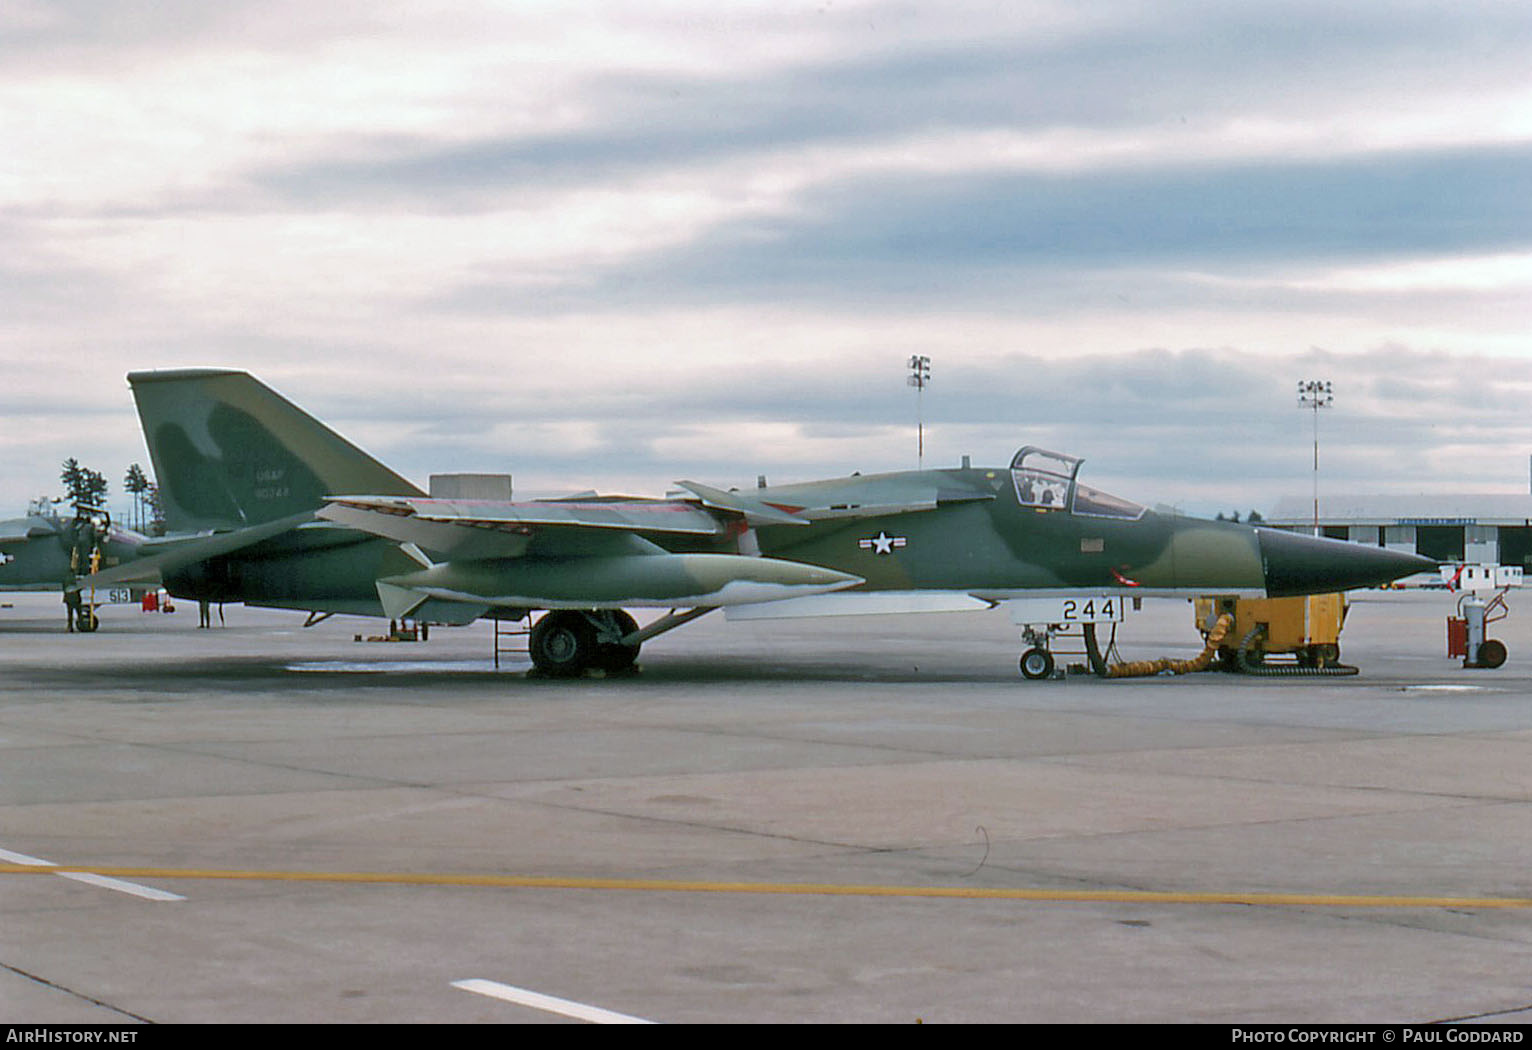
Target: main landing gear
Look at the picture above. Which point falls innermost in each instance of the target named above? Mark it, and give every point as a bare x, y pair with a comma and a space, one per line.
565, 643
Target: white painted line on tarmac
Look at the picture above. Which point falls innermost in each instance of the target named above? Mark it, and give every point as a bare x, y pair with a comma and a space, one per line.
538, 1001
106, 882
1442, 689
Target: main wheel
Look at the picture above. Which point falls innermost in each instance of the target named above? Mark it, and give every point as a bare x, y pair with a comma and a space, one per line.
614, 657
1036, 663
1492, 653
563, 644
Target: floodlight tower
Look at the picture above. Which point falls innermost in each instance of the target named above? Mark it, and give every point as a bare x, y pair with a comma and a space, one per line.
1315, 394
920, 375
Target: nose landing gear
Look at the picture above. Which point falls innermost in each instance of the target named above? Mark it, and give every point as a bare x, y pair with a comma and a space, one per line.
1045, 622
1037, 662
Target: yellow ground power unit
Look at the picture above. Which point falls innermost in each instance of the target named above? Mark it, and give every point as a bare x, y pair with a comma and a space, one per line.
1305, 628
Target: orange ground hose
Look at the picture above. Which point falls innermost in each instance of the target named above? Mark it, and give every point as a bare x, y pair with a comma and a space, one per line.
1144, 668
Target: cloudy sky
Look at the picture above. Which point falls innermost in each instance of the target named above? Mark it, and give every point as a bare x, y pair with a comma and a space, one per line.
615, 244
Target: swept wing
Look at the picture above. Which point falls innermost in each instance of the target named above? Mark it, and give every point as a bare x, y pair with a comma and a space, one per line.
166, 555
493, 529
586, 553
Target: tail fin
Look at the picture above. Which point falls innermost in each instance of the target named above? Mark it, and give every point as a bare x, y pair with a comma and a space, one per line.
230, 452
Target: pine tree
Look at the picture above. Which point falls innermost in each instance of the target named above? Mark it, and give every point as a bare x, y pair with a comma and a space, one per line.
71, 476
83, 485
156, 512
137, 483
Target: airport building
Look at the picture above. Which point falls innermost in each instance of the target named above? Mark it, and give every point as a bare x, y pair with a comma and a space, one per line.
1494, 529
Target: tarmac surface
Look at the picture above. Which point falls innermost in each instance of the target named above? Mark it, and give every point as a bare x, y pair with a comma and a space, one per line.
857, 819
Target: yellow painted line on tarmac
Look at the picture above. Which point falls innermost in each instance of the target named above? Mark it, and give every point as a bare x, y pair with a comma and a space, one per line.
808, 889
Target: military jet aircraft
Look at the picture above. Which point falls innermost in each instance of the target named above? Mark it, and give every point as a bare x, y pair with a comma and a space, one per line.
47, 552
295, 516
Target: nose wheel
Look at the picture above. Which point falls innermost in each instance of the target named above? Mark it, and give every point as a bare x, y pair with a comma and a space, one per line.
1039, 659
1036, 663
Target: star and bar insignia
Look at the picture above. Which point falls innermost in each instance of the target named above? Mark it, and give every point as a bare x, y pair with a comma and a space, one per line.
882, 543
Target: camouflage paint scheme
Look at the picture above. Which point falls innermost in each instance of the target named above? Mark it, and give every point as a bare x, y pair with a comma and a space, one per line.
43, 552
298, 517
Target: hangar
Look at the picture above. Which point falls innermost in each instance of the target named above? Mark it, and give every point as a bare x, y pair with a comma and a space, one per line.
1491, 528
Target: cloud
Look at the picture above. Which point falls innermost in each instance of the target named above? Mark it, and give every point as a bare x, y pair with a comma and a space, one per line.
1465, 202
1028, 243
1365, 76
1201, 427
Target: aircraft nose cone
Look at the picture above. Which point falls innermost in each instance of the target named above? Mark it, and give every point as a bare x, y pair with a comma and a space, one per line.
1297, 564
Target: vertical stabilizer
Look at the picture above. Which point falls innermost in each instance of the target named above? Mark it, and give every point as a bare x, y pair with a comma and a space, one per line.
230, 452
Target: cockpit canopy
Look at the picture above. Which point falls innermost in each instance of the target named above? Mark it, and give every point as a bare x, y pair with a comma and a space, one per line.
1046, 481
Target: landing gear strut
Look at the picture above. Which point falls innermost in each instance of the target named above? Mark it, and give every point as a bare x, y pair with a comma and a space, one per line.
612, 656
1044, 622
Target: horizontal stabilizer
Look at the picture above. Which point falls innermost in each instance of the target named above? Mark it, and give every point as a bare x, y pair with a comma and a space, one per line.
173, 553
